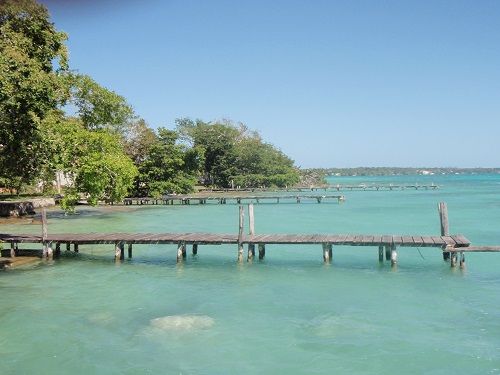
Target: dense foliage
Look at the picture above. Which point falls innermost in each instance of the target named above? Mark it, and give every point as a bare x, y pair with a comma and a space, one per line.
235, 156
33, 58
103, 151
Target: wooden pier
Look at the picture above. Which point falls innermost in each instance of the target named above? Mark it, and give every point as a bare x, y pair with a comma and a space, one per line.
390, 187
387, 245
334, 187
237, 199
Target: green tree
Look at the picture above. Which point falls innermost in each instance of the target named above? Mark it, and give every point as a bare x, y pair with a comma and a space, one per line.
234, 155
98, 107
94, 161
169, 167
139, 140
33, 58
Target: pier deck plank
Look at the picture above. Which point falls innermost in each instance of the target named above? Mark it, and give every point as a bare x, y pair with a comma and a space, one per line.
454, 241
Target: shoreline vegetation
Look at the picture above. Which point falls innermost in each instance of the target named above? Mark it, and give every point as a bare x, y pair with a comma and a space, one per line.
79, 139
101, 150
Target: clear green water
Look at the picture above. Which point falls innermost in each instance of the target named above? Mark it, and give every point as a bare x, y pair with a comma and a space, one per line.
290, 314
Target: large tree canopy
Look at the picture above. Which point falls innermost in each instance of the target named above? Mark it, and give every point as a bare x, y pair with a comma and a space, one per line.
236, 156
32, 58
102, 148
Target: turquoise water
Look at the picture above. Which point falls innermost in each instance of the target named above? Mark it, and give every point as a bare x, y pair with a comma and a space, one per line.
289, 314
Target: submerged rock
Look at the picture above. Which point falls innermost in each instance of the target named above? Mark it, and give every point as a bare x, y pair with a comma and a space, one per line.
182, 322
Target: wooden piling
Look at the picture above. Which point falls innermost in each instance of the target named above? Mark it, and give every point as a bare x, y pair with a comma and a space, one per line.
44, 233
57, 252
12, 250
117, 250
462, 260
262, 251
327, 252
251, 251
251, 232
75, 248
195, 249
181, 251
445, 230
453, 259
68, 246
129, 250
251, 220
394, 255
381, 254
387, 252
50, 252
240, 233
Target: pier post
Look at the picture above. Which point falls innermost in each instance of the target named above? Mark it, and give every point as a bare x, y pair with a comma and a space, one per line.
195, 248
44, 233
394, 255
119, 250
68, 246
262, 251
380, 253
453, 259
462, 260
327, 252
251, 232
75, 248
387, 252
57, 252
251, 251
12, 250
50, 252
240, 233
181, 251
129, 250
445, 230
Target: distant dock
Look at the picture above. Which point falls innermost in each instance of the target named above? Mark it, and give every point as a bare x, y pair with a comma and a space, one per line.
237, 199
452, 246
333, 187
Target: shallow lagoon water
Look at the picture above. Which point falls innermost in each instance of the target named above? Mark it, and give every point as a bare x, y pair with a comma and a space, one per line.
289, 314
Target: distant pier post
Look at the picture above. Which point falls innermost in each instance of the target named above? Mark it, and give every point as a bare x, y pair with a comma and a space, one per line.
195, 248
129, 250
445, 230
381, 254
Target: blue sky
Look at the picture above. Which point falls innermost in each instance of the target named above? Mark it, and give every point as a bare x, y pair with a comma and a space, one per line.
331, 83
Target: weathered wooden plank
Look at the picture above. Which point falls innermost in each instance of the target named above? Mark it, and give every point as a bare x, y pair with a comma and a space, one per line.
486, 249
367, 240
418, 240
460, 240
438, 240
397, 240
387, 240
407, 241
427, 241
